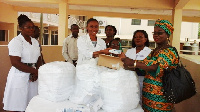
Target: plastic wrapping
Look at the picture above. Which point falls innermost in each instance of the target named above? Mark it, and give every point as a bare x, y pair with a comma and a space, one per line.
87, 82
56, 81
120, 90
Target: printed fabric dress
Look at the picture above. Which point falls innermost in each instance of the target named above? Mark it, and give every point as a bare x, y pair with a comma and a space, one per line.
152, 93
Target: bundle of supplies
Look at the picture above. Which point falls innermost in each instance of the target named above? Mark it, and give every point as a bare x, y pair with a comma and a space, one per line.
56, 81
87, 90
120, 90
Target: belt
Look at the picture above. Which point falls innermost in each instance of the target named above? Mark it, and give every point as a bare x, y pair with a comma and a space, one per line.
31, 64
74, 61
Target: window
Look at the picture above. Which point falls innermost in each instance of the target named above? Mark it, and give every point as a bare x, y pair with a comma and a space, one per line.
45, 39
151, 22
45, 36
2, 35
136, 22
54, 37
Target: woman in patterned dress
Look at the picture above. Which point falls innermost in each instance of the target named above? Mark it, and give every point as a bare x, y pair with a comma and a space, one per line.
163, 56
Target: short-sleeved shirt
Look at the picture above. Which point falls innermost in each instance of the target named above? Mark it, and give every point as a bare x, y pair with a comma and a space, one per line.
18, 91
29, 53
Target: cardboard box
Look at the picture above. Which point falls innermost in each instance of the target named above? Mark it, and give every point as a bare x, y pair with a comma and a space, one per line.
110, 61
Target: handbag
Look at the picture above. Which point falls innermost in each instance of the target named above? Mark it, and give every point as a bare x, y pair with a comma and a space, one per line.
178, 84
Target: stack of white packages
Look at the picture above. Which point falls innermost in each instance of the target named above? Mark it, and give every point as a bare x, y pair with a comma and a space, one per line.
120, 90
87, 82
56, 81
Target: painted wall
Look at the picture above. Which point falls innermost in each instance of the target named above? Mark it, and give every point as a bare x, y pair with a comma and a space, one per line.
8, 19
125, 29
189, 30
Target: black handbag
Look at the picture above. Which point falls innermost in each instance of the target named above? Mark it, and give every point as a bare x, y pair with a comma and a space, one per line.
178, 84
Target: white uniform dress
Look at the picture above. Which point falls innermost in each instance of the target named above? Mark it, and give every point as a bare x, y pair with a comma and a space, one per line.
86, 48
19, 90
131, 53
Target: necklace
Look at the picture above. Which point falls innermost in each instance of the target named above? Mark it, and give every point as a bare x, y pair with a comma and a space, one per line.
156, 51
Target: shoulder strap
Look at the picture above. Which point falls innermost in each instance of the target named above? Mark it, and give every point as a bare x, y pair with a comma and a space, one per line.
153, 52
176, 52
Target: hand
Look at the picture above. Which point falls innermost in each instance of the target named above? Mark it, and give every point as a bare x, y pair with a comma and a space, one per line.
127, 62
105, 51
122, 55
33, 77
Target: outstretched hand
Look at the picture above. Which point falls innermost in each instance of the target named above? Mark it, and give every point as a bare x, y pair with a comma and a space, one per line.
127, 62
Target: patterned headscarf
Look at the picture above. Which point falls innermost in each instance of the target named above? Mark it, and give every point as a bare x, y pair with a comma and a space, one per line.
165, 25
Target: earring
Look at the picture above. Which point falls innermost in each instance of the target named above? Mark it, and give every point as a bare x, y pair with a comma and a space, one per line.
168, 40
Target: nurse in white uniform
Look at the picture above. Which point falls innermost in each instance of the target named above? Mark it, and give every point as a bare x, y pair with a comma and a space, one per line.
90, 46
140, 51
24, 52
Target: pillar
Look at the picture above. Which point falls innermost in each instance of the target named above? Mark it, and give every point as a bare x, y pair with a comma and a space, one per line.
176, 20
63, 22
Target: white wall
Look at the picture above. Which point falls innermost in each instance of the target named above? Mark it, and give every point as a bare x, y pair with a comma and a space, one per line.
126, 30
189, 30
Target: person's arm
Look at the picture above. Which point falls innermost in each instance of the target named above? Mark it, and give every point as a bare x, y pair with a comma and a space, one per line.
105, 51
131, 64
16, 62
65, 51
145, 67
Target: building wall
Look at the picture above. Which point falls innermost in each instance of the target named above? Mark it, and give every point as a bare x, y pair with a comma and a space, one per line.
126, 30
8, 19
189, 30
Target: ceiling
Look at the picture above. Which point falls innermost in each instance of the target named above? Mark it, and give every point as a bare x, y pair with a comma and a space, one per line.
191, 8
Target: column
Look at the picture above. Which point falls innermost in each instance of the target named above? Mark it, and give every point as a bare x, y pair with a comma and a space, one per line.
177, 20
63, 22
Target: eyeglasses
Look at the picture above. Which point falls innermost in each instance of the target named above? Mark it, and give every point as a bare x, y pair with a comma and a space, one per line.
29, 27
157, 33
114, 45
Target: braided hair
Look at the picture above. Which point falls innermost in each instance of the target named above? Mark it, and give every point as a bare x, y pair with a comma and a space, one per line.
22, 19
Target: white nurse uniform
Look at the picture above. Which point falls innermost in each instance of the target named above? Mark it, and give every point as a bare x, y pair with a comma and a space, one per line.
19, 90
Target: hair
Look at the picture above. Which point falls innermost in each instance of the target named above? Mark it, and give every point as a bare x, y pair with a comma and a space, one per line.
114, 29
36, 28
74, 25
91, 19
22, 19
117, 39
145, 35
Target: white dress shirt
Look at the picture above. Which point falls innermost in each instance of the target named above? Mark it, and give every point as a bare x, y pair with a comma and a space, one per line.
69, 49
86, 48
131, 53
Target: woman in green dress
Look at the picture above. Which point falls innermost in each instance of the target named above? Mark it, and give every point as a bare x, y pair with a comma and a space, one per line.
163, 56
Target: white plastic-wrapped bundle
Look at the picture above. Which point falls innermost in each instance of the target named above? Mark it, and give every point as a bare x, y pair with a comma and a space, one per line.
87, 81
56, 81
120, 90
